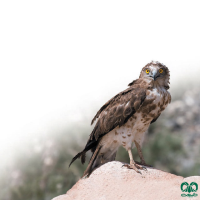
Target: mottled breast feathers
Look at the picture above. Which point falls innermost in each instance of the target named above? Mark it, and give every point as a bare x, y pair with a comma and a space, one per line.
119, 109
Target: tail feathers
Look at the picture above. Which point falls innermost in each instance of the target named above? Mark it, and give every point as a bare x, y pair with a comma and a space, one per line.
99, 159
91, 144
91, 165
83, 158
80, 154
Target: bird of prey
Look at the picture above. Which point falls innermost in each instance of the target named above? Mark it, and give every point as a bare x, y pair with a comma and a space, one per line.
125, 118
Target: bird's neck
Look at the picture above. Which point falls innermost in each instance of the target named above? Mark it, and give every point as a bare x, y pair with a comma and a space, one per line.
157, 84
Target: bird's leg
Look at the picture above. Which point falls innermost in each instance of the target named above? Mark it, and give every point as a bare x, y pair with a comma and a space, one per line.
132, 165
140, 155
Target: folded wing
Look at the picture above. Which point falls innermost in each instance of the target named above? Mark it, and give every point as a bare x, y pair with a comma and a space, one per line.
115, 112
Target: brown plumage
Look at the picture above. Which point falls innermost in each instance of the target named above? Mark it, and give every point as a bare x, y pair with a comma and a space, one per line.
124, 119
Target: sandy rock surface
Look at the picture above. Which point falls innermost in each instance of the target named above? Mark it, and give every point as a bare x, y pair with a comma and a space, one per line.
112, 181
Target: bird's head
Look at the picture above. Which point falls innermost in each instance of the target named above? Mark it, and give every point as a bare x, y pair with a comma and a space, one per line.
156, 72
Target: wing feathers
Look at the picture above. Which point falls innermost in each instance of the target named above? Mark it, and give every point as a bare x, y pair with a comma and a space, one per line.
115, 113
118, 110
114, 99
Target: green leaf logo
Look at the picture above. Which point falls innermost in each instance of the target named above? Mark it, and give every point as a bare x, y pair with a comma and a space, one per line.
183, 184
185, 187
196, 187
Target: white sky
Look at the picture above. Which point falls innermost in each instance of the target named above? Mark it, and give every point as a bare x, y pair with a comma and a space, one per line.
60, 58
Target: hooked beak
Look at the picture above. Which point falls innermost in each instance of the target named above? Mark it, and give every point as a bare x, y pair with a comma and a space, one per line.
154, 76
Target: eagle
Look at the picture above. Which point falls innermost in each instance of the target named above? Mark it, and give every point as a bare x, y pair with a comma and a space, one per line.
125, 118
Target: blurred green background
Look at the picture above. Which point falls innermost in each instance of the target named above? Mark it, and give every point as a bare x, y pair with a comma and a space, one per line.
39, 170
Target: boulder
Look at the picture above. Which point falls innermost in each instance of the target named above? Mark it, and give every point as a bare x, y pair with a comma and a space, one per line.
111, 181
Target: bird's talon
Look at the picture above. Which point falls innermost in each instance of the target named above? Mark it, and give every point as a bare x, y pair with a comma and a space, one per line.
86, 176
144, 168
126, 165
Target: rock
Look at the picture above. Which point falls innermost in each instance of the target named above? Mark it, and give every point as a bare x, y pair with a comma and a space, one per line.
111, 181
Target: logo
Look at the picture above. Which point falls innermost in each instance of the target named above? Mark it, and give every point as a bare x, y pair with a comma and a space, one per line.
193, 187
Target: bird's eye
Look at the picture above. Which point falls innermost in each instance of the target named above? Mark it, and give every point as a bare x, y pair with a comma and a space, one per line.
160, 71
147, 71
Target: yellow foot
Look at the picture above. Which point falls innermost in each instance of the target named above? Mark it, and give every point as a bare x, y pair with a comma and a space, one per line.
134, 166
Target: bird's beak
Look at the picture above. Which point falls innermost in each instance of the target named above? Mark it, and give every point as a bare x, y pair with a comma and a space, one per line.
153, 75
